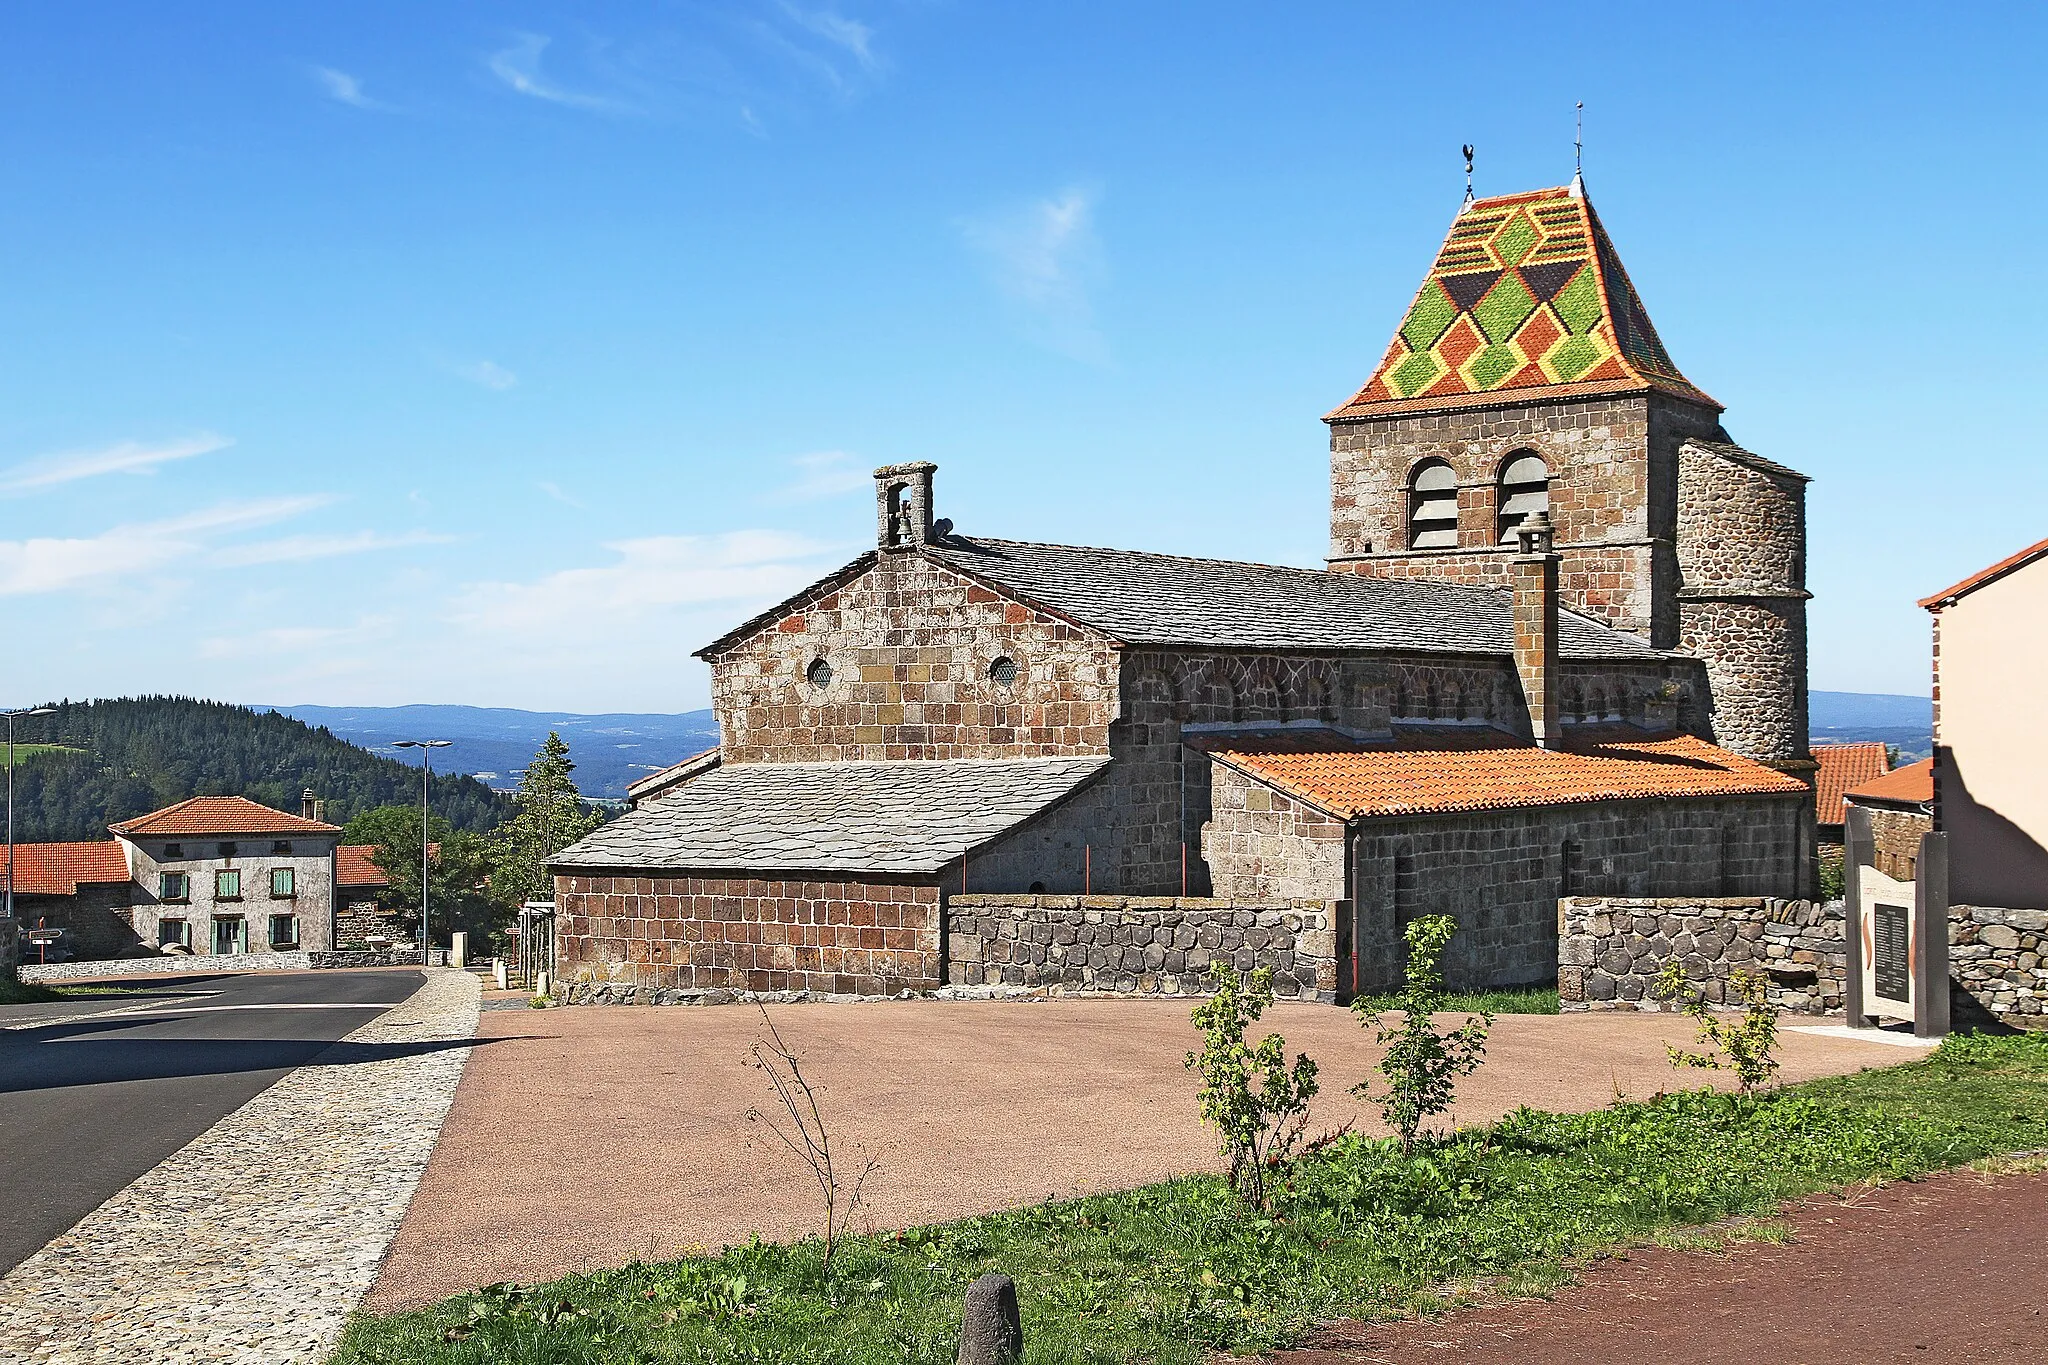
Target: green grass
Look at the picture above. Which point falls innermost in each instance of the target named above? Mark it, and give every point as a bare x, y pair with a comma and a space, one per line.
1173, 1272
14, 992
1504, 1000
24, 752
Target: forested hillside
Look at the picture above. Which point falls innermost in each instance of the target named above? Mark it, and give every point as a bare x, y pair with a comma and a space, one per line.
129, 756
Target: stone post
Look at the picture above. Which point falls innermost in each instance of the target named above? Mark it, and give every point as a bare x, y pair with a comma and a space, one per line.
991, 1332
1535, 609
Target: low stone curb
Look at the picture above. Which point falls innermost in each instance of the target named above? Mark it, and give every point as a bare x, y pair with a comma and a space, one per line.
196, 964
256, 1241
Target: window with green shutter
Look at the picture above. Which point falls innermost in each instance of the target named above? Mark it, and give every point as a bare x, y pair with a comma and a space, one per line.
283, 882
227, 884
174, 887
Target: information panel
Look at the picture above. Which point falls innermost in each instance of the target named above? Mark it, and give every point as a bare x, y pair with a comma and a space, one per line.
1892, 958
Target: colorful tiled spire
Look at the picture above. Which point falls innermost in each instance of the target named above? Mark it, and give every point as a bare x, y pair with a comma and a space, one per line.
1526, 300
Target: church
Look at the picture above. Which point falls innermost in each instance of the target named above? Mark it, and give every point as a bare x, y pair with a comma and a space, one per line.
1558, 648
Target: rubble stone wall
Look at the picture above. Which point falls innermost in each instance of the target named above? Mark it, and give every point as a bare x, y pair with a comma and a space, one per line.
2000, 957
1611, 949
1132, 945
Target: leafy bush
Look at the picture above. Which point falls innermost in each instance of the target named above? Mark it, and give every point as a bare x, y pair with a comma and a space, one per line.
1745, 1046
1256, 1103
1423, 1063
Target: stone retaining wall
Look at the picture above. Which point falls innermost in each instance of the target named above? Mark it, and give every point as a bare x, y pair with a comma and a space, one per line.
1998, 957
1610, 949
179, 964
1139, 945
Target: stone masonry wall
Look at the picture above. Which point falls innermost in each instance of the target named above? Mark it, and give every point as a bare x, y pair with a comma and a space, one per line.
1610, 950
1895, 839
1262, 844
1139, 946
1612, 481
910, 644
869, 937
2001, 958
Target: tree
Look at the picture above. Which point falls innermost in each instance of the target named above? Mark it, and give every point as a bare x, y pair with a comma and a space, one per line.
549, 816
458, 869
1257, 1104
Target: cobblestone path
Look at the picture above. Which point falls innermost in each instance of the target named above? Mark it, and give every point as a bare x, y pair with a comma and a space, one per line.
256, 1242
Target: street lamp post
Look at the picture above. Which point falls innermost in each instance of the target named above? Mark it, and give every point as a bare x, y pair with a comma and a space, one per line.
7, 950
426, 748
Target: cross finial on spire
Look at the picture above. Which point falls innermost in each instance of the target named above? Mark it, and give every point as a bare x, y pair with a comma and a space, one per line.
1579, 150
1468, 172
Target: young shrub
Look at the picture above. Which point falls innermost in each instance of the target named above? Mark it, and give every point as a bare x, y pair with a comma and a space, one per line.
1257, 1104
1423, 1063
1744, 1046
801, 1128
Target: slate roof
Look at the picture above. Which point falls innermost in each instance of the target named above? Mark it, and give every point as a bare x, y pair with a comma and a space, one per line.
830, 817
200, 815
1842, 766
57, 869
1482, 770
1909, 785
1151, 599
1527, 299
642, 790
1731, 451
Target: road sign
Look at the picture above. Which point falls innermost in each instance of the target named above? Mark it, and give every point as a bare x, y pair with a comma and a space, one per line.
45, 935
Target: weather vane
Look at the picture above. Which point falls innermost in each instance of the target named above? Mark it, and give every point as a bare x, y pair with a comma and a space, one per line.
1468, 172
1579, 148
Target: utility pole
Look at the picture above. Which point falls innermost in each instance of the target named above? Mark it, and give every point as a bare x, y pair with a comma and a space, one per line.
7, 947
426, 748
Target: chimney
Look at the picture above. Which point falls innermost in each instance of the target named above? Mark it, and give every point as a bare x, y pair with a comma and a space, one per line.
1535, 589
903, 505
308, 806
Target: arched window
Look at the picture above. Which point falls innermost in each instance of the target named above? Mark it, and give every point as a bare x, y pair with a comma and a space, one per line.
1433, 507
1524, 490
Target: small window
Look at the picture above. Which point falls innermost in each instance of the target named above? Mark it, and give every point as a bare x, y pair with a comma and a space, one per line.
227, 884
284, 931
173, 931
174, 850
1003, 673
283, 882
1524, 491
224, 850
1433, 508
174, 886
283, 846
819, 674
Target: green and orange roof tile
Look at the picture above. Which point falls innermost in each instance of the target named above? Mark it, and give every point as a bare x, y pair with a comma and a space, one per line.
1526, 300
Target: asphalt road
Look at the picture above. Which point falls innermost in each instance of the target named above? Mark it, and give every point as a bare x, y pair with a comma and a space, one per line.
88, 1106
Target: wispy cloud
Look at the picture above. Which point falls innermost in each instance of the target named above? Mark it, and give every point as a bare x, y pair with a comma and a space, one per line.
304, 644
488, 374
128, 457
823, 474
518, 67
850, 35
51, 564
1044, 257
291, 549
554, 490
346, 89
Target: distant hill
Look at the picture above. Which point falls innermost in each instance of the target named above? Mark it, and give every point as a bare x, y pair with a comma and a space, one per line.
496, 743
1905, 723
127, 757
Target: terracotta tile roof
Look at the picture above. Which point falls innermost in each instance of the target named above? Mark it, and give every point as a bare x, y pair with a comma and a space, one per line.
1843, 766
1408, 778
57, 869
1911, 785
1983, 576
1527, 299
352, 866
201, 815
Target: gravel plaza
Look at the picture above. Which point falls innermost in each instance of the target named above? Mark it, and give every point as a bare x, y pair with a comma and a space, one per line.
591, 1136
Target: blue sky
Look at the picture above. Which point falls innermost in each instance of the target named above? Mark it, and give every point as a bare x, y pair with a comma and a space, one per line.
505, 353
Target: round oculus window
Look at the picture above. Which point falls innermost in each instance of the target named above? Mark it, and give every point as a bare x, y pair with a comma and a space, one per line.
819, 673
1003, 673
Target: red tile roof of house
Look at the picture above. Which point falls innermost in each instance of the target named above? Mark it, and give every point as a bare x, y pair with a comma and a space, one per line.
1983, 576
1382, 781
1911, 785
352, 866
57, 869
202, 815
1843, 766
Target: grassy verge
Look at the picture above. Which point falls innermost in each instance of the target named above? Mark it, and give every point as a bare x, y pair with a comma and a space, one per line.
14, 992
1506, 1000
1172, 1272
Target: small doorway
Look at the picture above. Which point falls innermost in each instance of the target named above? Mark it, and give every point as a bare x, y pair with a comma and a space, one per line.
230, 936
